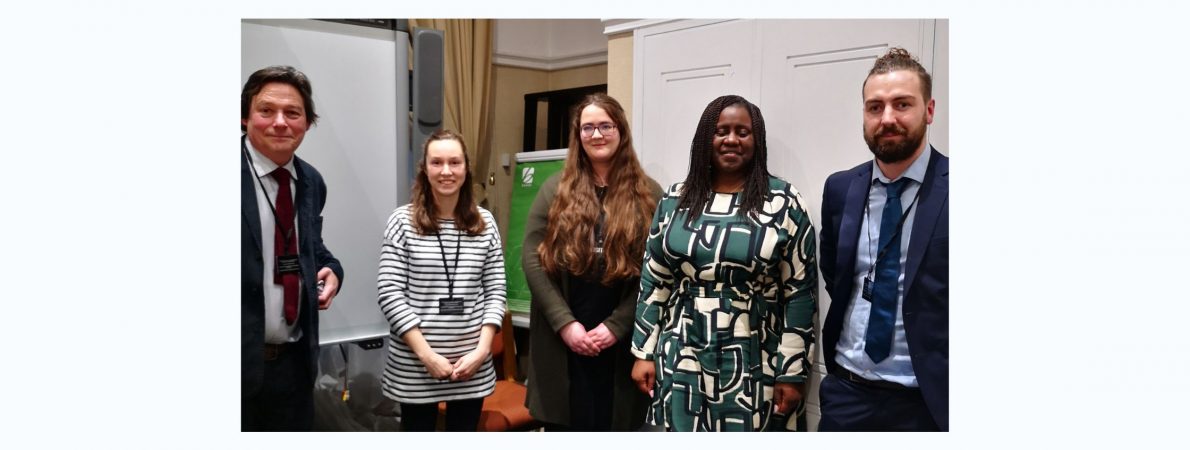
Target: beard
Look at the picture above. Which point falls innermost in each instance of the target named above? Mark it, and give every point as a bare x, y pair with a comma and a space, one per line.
892, 152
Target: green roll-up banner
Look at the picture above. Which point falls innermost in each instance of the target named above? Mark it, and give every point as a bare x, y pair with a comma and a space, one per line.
532, 169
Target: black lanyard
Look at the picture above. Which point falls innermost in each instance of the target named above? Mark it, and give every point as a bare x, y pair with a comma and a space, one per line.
272, 209
598, 230
896, 235
450, 285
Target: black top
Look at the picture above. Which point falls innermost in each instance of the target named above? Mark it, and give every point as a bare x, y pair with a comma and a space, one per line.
590, 301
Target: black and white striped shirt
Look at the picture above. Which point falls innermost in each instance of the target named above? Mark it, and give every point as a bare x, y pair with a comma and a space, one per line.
412, 281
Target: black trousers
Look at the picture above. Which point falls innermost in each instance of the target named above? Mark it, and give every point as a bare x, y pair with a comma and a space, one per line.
591, 382
461, 415
286, 399
850, 406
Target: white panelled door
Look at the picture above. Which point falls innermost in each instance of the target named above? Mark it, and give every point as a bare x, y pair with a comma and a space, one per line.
806, 76
680, 68
811, 94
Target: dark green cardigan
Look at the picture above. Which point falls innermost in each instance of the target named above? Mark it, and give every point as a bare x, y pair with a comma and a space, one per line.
548, 375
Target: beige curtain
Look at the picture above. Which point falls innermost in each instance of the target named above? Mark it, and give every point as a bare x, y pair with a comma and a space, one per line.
467, 88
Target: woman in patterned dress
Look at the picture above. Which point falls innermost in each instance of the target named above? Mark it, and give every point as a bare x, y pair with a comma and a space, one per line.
441, 287
724, 322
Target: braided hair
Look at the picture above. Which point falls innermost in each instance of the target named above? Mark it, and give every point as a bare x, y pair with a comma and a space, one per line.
697, 189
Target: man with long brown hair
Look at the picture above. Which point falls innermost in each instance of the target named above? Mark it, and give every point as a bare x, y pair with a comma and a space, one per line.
583, 241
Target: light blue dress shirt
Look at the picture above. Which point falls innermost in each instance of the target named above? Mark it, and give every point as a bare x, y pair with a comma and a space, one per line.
897, 368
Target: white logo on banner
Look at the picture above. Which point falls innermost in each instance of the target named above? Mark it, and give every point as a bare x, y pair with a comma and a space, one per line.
527, 176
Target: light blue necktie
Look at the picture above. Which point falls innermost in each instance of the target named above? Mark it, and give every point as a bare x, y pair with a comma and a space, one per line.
878, 338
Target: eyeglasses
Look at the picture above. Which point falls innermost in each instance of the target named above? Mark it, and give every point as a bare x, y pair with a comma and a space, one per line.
605, 129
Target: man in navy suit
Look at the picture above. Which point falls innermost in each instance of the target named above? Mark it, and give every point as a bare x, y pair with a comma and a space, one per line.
287, 274
885, 263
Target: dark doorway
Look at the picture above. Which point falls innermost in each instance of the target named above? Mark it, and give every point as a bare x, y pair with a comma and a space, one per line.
555, 106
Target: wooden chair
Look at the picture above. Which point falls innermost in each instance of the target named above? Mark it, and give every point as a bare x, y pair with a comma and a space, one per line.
505, 409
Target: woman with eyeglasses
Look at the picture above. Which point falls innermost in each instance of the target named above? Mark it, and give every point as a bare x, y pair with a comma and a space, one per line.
442, 290
724, 323
584, 238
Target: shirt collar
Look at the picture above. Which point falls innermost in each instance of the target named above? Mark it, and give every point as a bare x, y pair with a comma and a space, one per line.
915, 172
265, 166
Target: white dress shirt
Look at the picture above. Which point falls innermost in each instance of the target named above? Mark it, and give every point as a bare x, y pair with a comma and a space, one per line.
276, 331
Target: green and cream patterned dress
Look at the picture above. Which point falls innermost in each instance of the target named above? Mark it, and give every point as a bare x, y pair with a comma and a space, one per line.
726, 310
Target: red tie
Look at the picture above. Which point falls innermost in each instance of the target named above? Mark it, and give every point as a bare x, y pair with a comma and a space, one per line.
284, 228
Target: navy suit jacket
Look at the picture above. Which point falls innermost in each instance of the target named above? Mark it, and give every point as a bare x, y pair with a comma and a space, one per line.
927, 295
312, 254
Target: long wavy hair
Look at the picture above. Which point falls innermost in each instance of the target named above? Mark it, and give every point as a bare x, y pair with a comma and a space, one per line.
628, 206
423, 208
700, 180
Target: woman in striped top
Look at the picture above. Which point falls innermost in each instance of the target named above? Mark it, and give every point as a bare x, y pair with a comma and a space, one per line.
441, 288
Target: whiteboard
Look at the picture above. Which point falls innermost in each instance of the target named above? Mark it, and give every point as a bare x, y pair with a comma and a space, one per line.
358, 144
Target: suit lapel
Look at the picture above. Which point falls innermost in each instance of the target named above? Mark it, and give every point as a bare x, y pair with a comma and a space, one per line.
303, 202
853, 216
248, 206
934, 192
